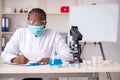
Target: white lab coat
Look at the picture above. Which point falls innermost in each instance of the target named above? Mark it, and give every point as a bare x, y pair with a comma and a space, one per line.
35, 48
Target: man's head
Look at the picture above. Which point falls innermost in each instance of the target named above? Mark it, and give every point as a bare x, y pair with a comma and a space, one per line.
37, 17
36, 21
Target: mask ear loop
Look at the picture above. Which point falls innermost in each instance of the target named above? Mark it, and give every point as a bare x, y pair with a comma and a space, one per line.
45, 24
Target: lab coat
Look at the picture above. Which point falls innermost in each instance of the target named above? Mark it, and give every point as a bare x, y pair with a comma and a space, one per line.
35, 48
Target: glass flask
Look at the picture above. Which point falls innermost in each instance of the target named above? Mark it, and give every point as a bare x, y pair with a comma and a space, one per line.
55, 59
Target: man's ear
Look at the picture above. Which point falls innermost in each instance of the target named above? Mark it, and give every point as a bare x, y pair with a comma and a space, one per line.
45, 24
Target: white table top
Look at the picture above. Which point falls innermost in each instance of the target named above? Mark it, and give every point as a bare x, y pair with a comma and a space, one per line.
7, 69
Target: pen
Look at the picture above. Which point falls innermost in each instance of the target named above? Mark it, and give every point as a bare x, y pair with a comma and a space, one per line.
20, 53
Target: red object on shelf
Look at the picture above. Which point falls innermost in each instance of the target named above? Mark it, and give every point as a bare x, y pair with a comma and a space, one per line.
64, 9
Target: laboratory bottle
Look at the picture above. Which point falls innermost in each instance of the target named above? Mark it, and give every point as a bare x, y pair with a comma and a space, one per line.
55, 59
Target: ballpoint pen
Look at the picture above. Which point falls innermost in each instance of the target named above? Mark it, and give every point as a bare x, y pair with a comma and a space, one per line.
30, 63
20, 53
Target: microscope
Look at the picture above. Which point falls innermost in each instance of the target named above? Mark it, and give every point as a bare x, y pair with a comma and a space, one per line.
76, 50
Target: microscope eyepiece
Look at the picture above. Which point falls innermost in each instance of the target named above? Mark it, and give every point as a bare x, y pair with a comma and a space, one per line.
74, 32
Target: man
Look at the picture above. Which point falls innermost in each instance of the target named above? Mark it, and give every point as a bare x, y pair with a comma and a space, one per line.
35, 43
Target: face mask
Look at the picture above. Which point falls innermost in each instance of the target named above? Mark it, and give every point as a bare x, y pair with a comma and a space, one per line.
36, 30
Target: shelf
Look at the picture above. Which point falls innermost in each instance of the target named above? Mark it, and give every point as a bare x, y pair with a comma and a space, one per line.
7, 33
57, 13
14, 13
27, 13
11, 33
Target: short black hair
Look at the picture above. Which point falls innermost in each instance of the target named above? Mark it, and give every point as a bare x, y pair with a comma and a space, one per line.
41, 12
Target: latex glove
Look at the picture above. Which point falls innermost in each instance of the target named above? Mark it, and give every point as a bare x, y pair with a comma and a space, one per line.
20, 60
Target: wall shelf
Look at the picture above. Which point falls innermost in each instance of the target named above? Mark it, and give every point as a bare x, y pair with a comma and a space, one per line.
14, 13
7, 33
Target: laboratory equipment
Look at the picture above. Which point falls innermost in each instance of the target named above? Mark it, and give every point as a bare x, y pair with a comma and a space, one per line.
76, 37
55, 59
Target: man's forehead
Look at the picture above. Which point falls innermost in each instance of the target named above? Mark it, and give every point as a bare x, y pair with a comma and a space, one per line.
35, 16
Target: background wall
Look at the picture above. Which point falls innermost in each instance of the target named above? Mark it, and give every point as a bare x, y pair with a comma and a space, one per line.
112, 50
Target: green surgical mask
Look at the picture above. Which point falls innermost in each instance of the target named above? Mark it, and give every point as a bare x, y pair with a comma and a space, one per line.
36, 30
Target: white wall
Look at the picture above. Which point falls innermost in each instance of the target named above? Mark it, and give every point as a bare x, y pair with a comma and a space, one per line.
119, 26
112, 50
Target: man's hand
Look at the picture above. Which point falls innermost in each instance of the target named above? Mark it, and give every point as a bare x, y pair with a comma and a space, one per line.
20, 60
44, 60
